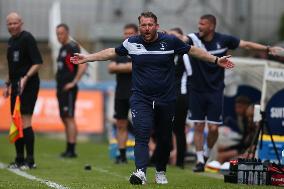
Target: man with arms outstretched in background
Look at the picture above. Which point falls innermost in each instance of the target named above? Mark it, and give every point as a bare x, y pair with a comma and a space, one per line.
206, 84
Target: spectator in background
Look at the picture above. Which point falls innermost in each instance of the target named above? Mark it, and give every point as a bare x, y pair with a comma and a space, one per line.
245, 126
183, 70
122, 67
238, 124
24, 62
67, 77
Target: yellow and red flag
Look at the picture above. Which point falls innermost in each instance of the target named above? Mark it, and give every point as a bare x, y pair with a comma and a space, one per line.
16, 128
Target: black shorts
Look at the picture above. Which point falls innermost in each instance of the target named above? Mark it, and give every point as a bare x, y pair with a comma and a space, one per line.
66, 102
206, 106
28, 97
121, 108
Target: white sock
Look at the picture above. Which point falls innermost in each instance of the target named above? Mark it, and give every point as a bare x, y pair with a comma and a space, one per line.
207, 152
200, 157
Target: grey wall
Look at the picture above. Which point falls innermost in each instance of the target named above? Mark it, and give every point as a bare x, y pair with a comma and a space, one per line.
101, 21
94, 19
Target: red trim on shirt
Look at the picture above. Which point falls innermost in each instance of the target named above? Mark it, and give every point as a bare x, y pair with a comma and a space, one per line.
69, 65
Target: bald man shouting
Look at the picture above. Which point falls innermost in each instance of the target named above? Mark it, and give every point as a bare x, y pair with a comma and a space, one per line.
24, 61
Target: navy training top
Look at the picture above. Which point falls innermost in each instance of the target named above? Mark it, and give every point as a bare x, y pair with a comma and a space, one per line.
208, 77
153, 68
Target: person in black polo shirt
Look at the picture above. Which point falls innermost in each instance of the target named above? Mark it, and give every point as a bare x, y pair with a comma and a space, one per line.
24, 61
67, 77
122, 67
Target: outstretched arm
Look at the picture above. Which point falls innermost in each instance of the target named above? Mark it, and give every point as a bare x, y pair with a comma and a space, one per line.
105, 54
201, 54
248, 45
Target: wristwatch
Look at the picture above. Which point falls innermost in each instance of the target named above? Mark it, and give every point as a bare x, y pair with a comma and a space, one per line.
216, 60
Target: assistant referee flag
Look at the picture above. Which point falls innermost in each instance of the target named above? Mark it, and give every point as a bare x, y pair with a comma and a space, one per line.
16, 128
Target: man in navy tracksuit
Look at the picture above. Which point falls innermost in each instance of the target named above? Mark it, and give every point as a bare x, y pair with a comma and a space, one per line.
206, 84
153, 86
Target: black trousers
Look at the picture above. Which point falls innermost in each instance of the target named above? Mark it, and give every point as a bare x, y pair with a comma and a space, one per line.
179, 127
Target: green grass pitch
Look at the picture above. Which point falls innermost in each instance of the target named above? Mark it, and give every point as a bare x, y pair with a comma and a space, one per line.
104, 174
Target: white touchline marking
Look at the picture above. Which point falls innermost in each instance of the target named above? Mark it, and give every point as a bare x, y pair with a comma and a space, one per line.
31, 177
109, 173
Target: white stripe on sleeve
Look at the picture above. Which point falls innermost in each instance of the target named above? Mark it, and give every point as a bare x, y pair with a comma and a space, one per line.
187, 64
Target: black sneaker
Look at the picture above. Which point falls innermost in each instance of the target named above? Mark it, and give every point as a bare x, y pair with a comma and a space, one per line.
120, 160
199, 167
68, 155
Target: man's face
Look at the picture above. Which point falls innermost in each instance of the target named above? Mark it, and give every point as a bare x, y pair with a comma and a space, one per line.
14, 25
128, 32
205, 27
62, 35
148, 29
241, 109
